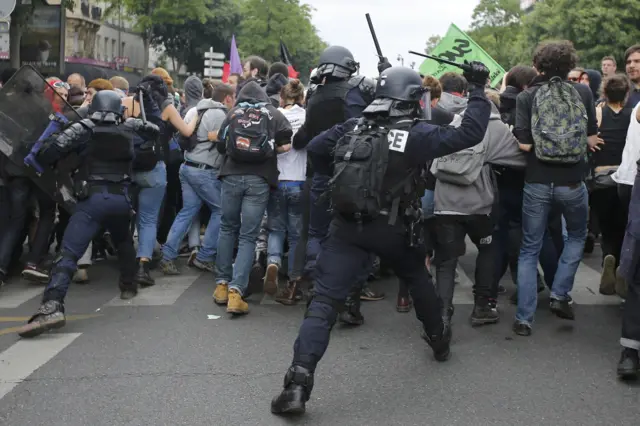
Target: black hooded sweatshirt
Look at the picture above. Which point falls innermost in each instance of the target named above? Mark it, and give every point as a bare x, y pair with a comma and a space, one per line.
281, 128
274, 87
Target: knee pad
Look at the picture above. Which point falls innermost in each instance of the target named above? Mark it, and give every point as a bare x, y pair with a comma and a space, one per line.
324, 308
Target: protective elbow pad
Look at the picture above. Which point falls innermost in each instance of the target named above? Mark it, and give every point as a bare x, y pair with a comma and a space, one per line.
73, 134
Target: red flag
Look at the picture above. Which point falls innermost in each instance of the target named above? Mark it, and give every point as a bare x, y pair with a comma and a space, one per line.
286, 58
292, 72
226, 71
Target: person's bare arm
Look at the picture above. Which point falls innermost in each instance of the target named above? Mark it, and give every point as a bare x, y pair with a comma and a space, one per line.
171, 114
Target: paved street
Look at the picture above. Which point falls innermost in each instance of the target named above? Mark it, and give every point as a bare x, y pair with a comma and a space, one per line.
171, 357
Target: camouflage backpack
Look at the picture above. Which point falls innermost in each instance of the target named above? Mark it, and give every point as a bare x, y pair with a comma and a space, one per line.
559, 123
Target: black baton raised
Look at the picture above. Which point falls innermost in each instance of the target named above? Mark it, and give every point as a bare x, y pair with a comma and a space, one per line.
463, 67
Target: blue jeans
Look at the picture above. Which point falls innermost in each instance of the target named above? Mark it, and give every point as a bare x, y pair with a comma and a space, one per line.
428, 204
539, 199
245, 201
284, 218
152, 189
198, 186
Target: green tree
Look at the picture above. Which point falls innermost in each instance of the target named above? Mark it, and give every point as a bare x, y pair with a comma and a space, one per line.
496, 27
148, 14
266, 22
597, 28
186, 42
432, 42
19, 19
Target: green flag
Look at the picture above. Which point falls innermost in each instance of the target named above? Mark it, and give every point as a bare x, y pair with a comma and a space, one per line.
457, 46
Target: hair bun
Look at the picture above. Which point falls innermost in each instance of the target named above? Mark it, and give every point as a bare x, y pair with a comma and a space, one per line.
295, 83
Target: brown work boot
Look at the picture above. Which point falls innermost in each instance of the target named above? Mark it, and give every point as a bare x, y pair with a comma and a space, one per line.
236, 305
221, 294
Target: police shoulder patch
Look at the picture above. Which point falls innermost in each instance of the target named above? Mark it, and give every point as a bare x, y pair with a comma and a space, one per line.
397, 140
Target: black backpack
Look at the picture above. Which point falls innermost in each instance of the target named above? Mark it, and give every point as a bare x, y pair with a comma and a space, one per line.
249, 134
360, 164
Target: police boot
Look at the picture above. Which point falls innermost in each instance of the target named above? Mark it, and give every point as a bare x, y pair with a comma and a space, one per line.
50, 316
128, 290
629, 364
351, 314
298, 384
143, 277
439, 343
447, 314
484, 312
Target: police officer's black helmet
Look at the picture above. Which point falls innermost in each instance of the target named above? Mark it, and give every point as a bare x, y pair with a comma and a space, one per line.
106, 106
400, 84
336, 61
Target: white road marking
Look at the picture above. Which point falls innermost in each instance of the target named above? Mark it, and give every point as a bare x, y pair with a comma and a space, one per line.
15, 294
166, 292
26, 356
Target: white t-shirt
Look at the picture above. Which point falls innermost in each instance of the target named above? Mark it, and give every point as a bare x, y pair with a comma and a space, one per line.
292, 165
626, 173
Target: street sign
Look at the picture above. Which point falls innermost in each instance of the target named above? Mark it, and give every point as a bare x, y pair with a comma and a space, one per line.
213, 64
213, 55
213, 72
6, 8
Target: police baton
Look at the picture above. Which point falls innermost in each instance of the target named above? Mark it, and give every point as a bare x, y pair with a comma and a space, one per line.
373, 35
464, 67
143, 114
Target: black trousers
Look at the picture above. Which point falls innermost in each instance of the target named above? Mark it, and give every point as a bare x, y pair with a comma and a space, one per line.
451, 231
612, 215
344, 255
172, 201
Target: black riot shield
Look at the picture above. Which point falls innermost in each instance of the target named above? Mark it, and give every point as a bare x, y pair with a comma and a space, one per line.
30, 109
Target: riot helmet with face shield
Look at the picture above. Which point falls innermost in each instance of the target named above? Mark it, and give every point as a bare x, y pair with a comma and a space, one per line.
106, 107
337, 62
399, 92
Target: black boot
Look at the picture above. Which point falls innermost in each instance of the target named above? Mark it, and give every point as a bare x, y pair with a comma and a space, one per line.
50, 316
629, 365
484, 312
440, 344
128, 290
447, 314
351, 314
298, 384
143, 277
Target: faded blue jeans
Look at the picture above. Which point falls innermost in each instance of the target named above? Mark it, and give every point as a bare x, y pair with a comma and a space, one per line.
153, 185
284, 219
539, 199
198, 186
244, 201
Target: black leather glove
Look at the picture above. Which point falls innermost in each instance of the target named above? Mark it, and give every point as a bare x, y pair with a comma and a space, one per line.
383, 64
477, 73
147, 131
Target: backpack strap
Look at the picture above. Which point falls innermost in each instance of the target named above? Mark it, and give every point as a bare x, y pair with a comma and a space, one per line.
405, 183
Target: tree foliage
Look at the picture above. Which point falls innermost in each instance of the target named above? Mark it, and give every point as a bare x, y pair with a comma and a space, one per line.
148, 14
432, 42
597, 28
185, 42
266, 22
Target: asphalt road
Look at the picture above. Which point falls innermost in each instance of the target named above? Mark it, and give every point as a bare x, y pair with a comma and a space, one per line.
171, 357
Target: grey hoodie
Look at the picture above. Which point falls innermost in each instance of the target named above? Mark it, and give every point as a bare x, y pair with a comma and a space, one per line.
205, 152
193, 91
452, 103
501, 148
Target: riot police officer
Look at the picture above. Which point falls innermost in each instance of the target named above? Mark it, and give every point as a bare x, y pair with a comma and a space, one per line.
104, 144
379, 217
336, 96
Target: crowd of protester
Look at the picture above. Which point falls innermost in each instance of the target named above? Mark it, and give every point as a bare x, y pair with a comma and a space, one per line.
247, 223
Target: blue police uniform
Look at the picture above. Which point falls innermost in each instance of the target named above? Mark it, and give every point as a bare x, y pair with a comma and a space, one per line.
347, 248
104, 193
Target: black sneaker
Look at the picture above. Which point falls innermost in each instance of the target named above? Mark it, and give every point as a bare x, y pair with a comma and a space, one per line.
34, 273
629, 364
441, 345
370, 295
589, 244
562, 308
521, 328
50, 316
128, 291
484, 313
143, 277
